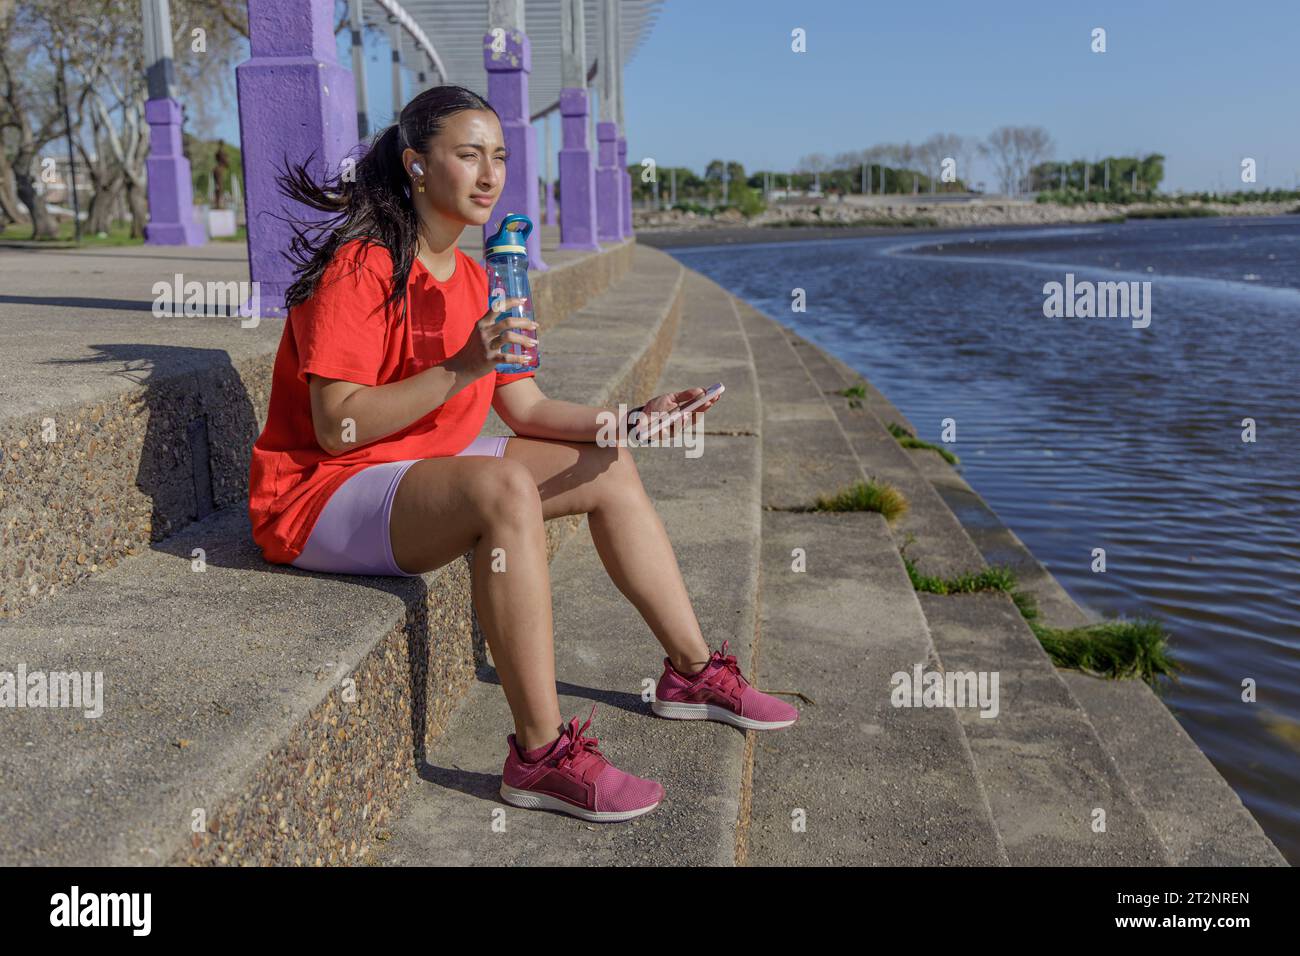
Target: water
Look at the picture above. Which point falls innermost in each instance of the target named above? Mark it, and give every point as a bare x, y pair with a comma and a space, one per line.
1087, 432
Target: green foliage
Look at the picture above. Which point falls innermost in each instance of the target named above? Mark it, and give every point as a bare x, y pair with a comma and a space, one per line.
856, 394
203, 160
873, 495
908, 440
990, 579
1172, 212
874, 222
1114, 649
119, 234
1130, 177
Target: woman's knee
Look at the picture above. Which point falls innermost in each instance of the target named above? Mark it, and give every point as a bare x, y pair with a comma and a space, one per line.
618, 475
505, 491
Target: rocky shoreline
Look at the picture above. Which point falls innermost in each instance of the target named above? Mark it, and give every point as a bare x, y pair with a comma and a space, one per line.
796, 218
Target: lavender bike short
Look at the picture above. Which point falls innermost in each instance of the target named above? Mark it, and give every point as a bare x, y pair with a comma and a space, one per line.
351, 533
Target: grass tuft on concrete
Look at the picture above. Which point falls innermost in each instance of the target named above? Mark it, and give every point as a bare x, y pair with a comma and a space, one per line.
990, 579
1115, 649
1118, 649
856, 394
908, 440
871, 495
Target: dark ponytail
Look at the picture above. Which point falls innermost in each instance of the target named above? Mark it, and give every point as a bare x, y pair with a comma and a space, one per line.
375, 205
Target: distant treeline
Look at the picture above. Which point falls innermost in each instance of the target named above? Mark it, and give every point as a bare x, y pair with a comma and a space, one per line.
1120, 179
744, 190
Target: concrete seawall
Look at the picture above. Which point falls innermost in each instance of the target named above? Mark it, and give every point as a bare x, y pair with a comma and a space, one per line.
338, 719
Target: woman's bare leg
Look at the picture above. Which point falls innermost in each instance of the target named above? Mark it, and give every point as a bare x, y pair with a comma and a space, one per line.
446, 506
604, 484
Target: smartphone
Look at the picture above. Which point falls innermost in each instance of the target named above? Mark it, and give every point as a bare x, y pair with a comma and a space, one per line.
646, 429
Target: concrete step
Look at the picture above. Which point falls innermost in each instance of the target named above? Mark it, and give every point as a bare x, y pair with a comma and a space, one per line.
1050, 781
605, 654
1039, 757
931, 533
857, 780
804, 450
1197, 815
121, 428
1190, 807
288, 707
1193, 810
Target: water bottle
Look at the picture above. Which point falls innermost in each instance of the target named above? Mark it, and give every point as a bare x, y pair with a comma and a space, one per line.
506, 259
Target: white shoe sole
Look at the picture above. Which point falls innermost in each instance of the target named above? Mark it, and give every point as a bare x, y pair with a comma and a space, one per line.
528, 800
680, 711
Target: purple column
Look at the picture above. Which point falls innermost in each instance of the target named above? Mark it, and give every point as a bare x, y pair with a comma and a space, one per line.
295, 99
609, 185
577, 175
625, 187
508, 93
171, 192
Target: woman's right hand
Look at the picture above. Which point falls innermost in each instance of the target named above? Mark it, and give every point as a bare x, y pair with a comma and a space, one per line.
482, 351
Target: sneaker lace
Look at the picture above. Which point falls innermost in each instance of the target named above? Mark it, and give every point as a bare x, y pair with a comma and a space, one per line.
731, 669
581, 749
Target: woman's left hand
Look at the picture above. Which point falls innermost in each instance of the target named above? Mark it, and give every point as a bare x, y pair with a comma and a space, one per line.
669, 402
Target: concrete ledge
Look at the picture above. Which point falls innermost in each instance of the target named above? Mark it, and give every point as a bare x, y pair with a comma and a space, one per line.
288, 707
121, 428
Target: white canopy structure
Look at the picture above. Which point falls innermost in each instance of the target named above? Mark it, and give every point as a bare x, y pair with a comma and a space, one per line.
444, 40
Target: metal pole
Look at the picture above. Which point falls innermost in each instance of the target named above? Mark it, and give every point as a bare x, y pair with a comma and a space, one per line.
546, 126
359, 68
397, 68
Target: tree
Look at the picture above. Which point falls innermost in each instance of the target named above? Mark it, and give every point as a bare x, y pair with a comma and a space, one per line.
101, 42
27, 108
1014, 150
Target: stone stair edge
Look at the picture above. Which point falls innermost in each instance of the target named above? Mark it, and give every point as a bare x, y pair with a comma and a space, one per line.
794, 445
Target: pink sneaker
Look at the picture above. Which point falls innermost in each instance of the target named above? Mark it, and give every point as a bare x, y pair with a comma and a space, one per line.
575, 778
719, 692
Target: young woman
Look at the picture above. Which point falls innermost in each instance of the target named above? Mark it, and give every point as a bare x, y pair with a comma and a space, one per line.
371, 461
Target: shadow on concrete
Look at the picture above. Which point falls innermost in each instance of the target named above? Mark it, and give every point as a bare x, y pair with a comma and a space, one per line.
45, 250
78, 302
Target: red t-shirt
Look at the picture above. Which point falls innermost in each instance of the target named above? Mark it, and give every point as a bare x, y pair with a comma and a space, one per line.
343, 331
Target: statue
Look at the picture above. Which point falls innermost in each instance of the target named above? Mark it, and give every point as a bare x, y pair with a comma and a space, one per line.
219, 171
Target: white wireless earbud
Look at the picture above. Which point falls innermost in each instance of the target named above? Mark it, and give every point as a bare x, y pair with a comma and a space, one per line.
417, 169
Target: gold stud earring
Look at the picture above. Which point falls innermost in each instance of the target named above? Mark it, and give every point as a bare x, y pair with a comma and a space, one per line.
419, 187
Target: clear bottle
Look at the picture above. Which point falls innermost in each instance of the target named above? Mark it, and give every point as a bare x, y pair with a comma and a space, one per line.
505, 258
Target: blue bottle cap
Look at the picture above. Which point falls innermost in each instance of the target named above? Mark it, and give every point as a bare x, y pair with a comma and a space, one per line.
510, 237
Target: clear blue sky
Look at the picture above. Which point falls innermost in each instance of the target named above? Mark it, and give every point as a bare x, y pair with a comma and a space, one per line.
1204, 83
